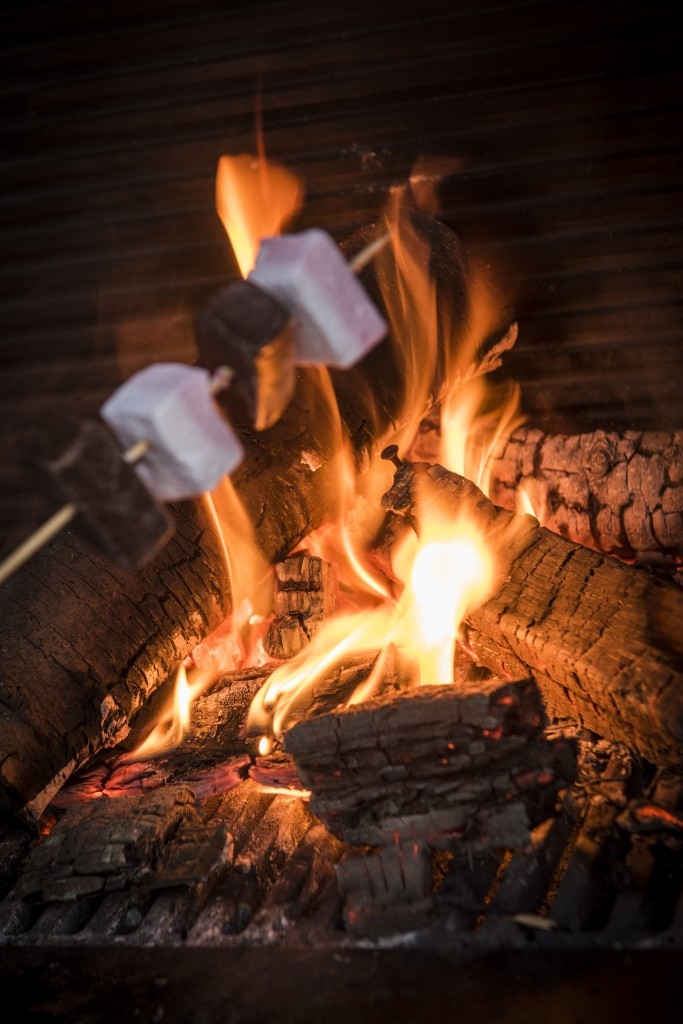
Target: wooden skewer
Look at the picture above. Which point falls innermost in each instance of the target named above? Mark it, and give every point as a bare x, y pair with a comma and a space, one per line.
51, 527
220, 380
63, 516
366, 255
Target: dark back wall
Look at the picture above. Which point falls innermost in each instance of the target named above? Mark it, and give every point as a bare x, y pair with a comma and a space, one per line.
566, 117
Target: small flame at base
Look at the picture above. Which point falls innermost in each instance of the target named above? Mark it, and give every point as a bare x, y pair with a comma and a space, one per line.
171, 728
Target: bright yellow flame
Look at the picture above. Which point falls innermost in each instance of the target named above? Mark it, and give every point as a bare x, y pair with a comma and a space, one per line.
444, 575
447, 577
470, 432
523, 502
175, 720
254, 199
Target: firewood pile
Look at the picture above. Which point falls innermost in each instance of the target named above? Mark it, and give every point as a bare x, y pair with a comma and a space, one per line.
539, 795
466, 814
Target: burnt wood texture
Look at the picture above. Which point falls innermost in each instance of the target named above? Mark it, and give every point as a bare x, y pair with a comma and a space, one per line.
602, 639
86, 643
618, 492
439, 765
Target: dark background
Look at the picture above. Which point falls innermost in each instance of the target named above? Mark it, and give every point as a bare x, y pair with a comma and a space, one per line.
566, 117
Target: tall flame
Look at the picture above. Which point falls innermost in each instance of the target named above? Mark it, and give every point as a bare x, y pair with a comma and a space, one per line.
448, 570
418, 602
254, 199
442, 575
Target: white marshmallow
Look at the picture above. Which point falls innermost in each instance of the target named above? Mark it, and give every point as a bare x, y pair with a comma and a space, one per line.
191, 445
334, 322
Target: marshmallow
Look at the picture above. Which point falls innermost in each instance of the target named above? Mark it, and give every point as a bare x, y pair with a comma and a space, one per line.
82, 463
244, 328
334, 323
191, 446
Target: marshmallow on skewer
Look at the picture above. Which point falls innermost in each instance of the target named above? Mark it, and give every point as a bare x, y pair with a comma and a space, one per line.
244, 328
190, 444
334, 322
83, 465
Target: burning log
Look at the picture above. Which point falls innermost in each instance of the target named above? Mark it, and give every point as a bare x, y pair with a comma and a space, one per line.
602, 639
304, 597
619, 493
438, 763
439, 768
106, 845
87, 643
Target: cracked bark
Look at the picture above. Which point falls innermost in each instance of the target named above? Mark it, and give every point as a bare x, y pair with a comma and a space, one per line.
602, 639
86, 643
436, 765
618, 493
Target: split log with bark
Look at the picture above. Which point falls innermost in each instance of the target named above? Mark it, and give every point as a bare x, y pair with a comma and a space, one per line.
85, 644
602, 639
618, 493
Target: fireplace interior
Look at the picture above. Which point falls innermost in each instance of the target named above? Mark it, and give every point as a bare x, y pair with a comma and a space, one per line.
353, 864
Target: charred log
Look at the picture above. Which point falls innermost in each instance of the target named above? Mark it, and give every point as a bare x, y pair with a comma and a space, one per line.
158, 841
434, 766
618, 493
85, 645
305, 593
602, 639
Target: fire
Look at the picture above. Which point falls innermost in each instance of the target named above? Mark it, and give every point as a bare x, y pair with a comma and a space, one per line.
175, 720
417, 603
441, 577
254, 199
448, 577
471, 430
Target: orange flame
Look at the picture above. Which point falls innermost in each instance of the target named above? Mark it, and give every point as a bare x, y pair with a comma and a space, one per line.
254, 199
470, 432
434, 580
443, 574
448, 570
175, 720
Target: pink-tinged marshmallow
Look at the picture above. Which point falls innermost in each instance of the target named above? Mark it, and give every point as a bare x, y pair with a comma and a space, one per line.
191, 447
334, 322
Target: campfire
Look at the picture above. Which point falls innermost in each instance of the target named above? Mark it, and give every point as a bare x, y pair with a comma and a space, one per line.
411, 670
